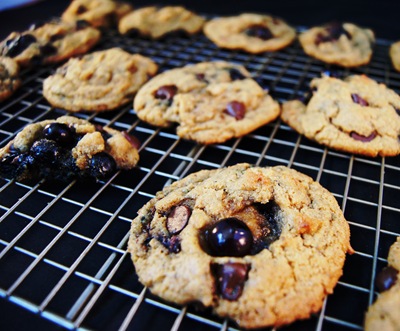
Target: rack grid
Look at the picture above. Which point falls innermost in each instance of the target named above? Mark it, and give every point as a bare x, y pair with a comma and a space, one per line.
63, 245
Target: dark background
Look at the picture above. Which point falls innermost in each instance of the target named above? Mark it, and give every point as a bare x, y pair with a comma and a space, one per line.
380, 15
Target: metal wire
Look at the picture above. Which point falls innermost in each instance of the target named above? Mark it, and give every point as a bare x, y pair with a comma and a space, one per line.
62, 246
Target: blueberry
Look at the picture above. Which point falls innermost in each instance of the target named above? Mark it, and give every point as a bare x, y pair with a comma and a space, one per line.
18, 45
60, 133
259, 31
229, 237
102, 165
46, 152
386, 278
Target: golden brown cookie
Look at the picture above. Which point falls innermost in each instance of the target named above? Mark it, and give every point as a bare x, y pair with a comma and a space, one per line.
156, 22
99, 81
52, 42
252, 33
394, 53
67, 148
211, 102
356, 115
384, 314
262, 246
346, 44
9, 77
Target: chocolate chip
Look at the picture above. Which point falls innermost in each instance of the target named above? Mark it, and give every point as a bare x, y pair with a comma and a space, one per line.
201, 77
359, 137
259, 31
235, 109
132, 139
236, 74
81, 9
18, 45
166, 92
358, 99
333, 33
178, 219
173, 244
397, 110
81, 24
230, 279
48, 50
386, 278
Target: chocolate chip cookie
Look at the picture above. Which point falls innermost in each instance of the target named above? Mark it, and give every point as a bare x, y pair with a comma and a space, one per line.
99, 81
263, 246
156, 22
356, 115
9, 77
98, 13
252, 33
394, 53
67, 148
384, 314
211, 102
52, 42
343, 44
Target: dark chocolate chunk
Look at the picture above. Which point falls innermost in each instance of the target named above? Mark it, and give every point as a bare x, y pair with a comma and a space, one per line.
235, 109
259, 31
230, 279
359, 137
178, 219
236, 74
166, 92
358, 99
18, 45
386, 278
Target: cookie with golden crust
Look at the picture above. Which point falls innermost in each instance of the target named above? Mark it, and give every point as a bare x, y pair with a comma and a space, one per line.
99, 81
214, 237
52, 42
9, 77
346, 44
355, 115
384, 314
253, 33
156, 22
67, 148
211, 102
394, 53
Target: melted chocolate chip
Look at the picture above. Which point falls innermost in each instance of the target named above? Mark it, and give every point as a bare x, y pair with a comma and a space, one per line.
333, 33
259, 31
359, 137
235, 109
135, 143
57, 36
228, 237
18, 45
230, 279
166, 92
81, 9
236, 74
386, 278
178, 219
358, 99
48, 50
201, 77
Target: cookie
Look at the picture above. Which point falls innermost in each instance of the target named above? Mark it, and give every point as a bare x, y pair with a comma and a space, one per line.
346, 44
156, 22
211, 102
394, 53
99, 81
67, 148
9, 77
355, 115
252, 33
262, 246
98, 13
52, 42
384, 314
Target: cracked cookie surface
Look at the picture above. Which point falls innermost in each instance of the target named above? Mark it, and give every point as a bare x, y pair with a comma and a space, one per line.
51, 42
99, 81
67, 148
262, 246
252, 33
344, 44
156, 22
384, 314
356, 115
211, 102
9, 77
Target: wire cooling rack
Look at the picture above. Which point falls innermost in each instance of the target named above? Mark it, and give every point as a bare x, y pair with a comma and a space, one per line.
63, 253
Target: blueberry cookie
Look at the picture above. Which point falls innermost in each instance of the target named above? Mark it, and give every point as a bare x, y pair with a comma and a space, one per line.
384, 314
263, 246
156, 22
98, 13
346, 44
9, 77
252, 33
356, 115
99, 81
67, 148
51, 42
395, 55
211, 102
